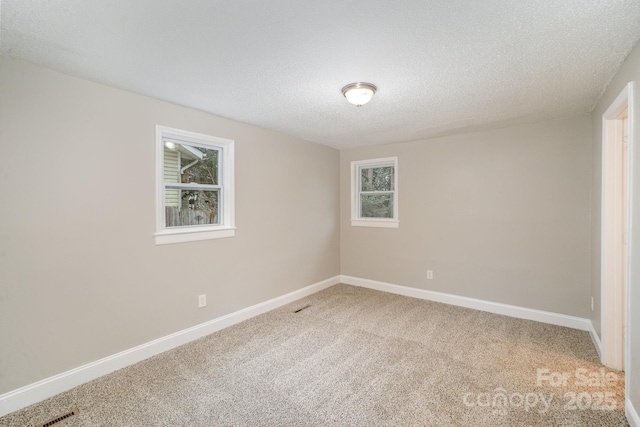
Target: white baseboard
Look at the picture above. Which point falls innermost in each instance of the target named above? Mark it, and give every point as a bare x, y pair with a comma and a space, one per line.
476, 304
32, 393
498, 308
632, 414
596, 340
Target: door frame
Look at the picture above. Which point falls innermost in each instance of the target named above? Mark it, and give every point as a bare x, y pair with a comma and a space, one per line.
615, 343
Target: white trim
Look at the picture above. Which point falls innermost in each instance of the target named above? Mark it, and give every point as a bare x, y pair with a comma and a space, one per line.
476, 304
611, 326
356, 219
615, 353
632, 414
373, 222
226, 213
632, 141
32, 393
182, 236
595, 339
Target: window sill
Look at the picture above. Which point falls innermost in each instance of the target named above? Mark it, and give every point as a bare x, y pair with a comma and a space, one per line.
192, 235
372, 222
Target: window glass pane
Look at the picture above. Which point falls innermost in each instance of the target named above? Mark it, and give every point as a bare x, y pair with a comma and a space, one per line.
185, 164
376, 205
188, 207
376, 179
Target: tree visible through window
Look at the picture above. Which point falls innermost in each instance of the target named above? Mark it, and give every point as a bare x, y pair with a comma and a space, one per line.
374, 192
197, 202
195, 186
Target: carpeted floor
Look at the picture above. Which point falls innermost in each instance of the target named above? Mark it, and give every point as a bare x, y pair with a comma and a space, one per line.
358, 357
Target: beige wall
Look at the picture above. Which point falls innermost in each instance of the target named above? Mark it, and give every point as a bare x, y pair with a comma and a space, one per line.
80, 276
630, 71
509, 215
500, 215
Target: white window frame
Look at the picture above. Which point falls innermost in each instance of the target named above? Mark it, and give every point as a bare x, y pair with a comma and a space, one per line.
226, 196
356, 219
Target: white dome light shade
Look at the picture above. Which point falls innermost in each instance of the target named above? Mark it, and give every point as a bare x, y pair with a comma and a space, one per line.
359, 93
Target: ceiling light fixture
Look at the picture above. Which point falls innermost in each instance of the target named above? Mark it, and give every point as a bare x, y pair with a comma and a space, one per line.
359, 93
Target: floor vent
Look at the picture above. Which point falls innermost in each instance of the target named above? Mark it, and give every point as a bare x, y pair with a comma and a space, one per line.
300, 309
60, 418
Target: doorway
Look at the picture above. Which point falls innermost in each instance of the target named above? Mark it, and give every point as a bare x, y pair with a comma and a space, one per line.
616, 207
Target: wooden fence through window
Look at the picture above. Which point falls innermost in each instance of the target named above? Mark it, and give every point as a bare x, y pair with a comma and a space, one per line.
179, 217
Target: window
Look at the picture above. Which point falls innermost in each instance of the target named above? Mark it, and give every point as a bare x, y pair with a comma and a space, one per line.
374, 193
194, 187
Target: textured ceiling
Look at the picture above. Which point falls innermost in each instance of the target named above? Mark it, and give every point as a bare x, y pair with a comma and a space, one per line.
441, 66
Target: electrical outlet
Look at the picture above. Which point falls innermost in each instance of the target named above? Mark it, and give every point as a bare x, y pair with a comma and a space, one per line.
592, 304
429, 274
202, 300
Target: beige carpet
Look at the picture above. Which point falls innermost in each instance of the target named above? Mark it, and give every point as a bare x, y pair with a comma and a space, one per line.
357, 357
